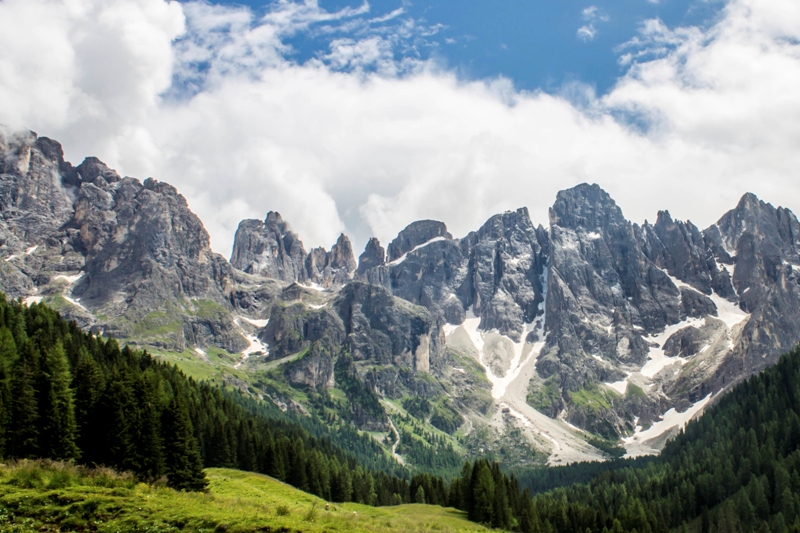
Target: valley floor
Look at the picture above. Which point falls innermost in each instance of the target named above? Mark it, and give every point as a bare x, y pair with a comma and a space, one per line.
50, 498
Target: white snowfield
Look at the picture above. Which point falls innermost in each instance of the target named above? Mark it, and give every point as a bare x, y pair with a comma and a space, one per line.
70, 279
649, 441
255, 344
423, 245
620, 386
727, 311
657, 359
29, 251
257, 323
509, 391
643, 442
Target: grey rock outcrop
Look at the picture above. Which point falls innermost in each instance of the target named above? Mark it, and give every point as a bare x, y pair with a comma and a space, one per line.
416, 234
334, 268
763, 243
387, 330
682, 250
314, 369
34, 202
293, 328
507, 262
270, 249
603, 294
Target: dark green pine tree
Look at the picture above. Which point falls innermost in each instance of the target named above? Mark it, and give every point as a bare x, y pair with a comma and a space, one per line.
8, 353
147, 436
23, 436
482, 494
501, 512
57, 410
182, 458
116, 425
88, 384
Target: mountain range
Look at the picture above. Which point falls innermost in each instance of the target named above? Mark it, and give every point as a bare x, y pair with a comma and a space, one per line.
533, 343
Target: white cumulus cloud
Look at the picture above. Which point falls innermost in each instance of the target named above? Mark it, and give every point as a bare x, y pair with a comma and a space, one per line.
367, 136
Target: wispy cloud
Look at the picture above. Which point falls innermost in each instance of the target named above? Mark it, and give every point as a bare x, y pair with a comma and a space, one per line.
591, 15
587, 32
224, 41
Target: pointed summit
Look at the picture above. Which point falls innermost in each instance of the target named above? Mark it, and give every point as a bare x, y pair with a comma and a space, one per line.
331, 268
586, 206
374, 255
341, 256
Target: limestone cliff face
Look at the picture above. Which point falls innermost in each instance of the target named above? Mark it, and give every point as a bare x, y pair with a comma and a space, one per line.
123, 257
334, 268
386, 330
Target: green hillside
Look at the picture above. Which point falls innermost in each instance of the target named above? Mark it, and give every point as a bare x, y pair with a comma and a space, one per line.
51, 497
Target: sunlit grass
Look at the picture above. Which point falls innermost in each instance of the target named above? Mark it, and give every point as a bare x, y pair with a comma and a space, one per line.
46, 496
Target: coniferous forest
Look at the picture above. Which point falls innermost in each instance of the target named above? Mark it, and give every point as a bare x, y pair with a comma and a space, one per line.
69, 395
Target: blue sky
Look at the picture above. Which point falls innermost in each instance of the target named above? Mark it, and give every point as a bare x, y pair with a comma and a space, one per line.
535, 43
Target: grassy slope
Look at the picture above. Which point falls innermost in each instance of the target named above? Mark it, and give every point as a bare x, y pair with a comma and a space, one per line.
236, 502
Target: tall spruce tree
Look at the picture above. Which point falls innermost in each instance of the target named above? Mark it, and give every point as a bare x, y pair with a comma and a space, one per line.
482, 499
117, 413
182, 464
89, 385
57, 410
8, 353
23, 423
147, 434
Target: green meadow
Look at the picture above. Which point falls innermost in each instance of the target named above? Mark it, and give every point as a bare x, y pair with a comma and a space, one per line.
44, 496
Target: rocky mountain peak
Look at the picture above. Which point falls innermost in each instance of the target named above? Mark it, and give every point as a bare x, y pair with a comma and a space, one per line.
33, 200
759, 223
415, 234
503, 225
331, 268
341, 255
681, 249
374, 256
119, 256
585, 206
270, 249
92, 168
